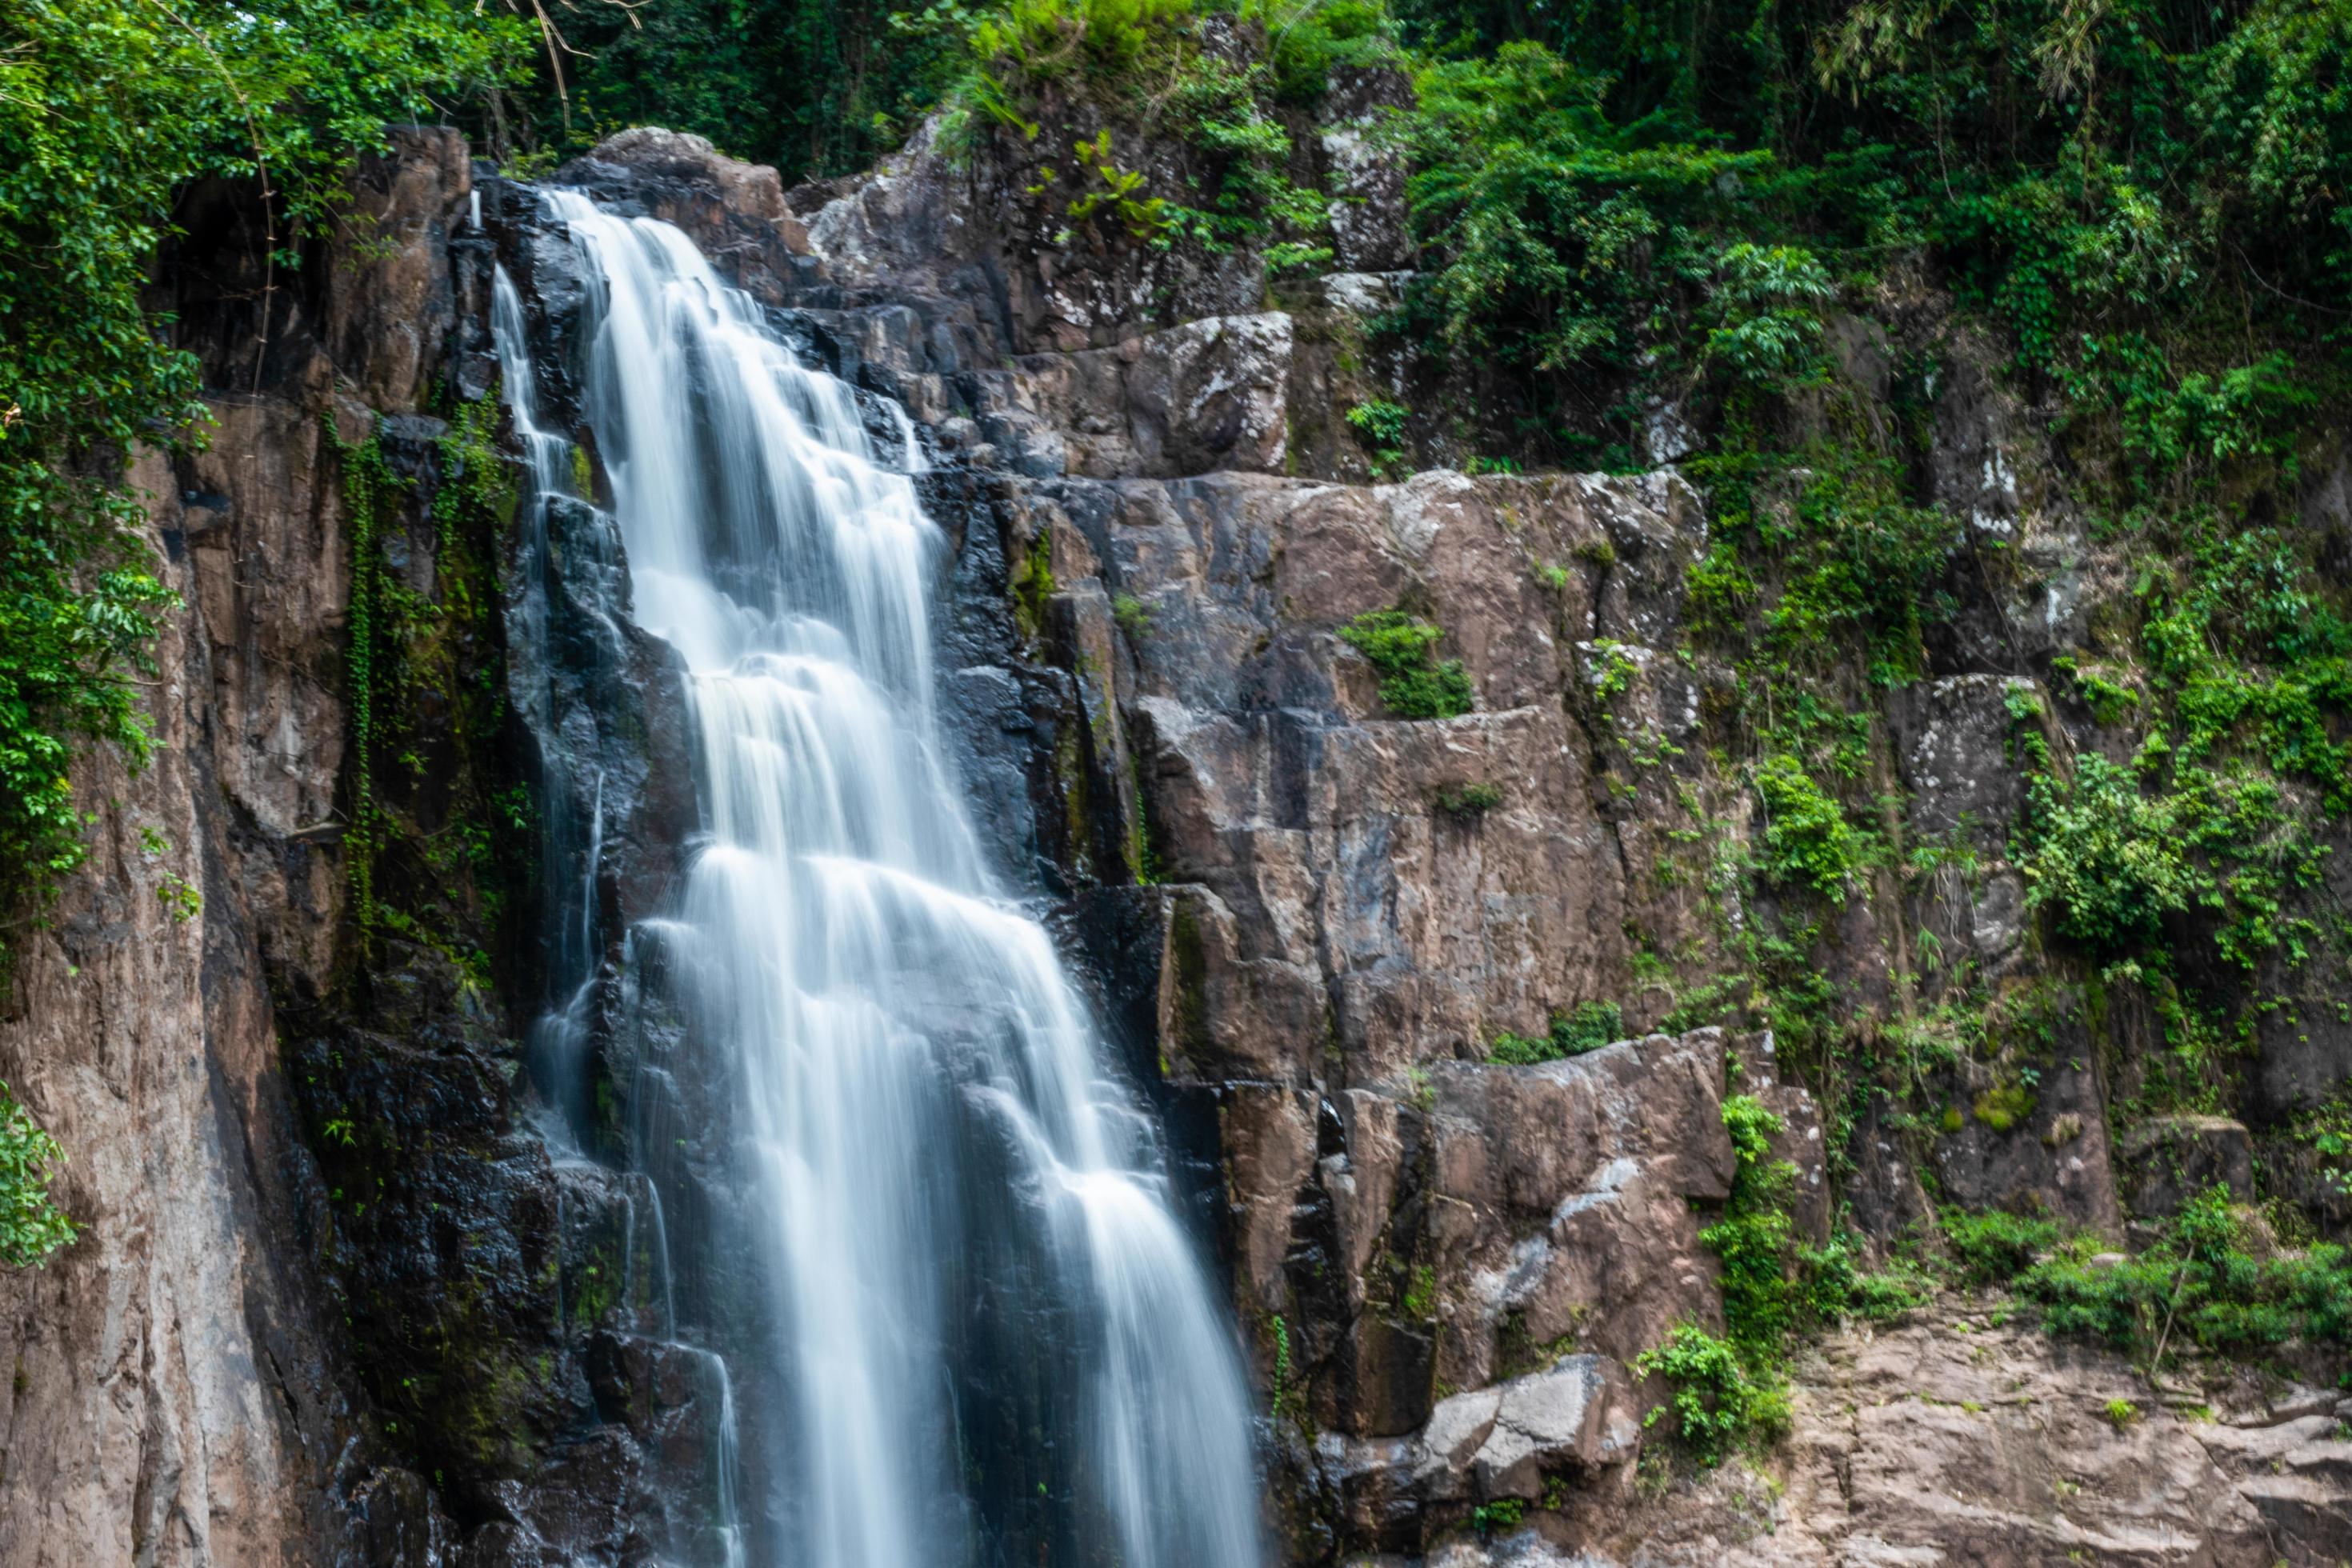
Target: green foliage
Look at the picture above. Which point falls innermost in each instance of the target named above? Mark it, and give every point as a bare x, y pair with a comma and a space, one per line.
1307, 40
1382, 427
1836, 1286
1115, 191
1041, 39
1470, 802
1225, 116
1588, 1026
1560, 233
1807, 840
1720, 1405
1413, 684
1503, 1513
369, 488
1032, 586
1133, 616
32, 1227
1766, 304
2206, 1282
815, 89
1995, 1247
2107, 860
1733, 1391
1753, 1238
1420, 1299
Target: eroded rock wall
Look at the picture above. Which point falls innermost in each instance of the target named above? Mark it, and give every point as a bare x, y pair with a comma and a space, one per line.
178, 1392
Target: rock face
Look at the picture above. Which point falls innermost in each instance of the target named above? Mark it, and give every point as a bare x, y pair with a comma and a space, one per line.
1954, 1440
338, 1300
179, 1396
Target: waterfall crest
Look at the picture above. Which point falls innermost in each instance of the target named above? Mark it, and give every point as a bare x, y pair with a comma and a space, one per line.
951, 1194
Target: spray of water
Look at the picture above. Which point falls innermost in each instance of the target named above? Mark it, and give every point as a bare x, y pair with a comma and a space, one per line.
926, 1117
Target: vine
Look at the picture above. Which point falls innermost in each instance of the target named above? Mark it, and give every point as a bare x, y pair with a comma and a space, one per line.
368, 483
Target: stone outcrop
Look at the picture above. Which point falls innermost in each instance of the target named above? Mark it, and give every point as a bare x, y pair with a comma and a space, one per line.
1957, 1440
181, 1391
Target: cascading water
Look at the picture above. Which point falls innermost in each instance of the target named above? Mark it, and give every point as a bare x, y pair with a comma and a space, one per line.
964, 1220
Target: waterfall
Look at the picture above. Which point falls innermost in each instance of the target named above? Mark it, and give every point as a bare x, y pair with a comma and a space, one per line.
963, 1220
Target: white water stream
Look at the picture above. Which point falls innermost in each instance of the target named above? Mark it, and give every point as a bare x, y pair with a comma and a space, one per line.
922, 1095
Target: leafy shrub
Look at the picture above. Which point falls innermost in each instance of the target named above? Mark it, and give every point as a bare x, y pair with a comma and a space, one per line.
2201, 1283
2106, 860
1382, 424
1587, 1027
1754, 1237
1502, 1513
1413, 684
1807, 840
31, 1224
1995, 1247
1718, 1403
1837, 1288
1766, 304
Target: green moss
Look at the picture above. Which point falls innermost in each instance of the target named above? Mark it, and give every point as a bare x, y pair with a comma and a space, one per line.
1033, 587
1420, 1299
1132, 614
2004, 1106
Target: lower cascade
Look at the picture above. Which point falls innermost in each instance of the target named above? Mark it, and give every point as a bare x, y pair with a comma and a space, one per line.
962, 1222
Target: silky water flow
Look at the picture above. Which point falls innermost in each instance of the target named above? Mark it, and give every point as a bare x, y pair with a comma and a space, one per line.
964, 1219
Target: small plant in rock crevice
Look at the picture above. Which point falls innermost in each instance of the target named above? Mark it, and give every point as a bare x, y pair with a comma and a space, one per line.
1382, 427
1588, 1026
1469, 801
1413, 683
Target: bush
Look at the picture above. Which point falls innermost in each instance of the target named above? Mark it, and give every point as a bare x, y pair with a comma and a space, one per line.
1413, 684
2202, 1283
1807, 840
2106, 860
1994, 1248
1718, 1403
1589, 1027
31, 1224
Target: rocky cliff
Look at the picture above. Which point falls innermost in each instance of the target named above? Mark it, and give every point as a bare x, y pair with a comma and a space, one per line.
341, 1299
